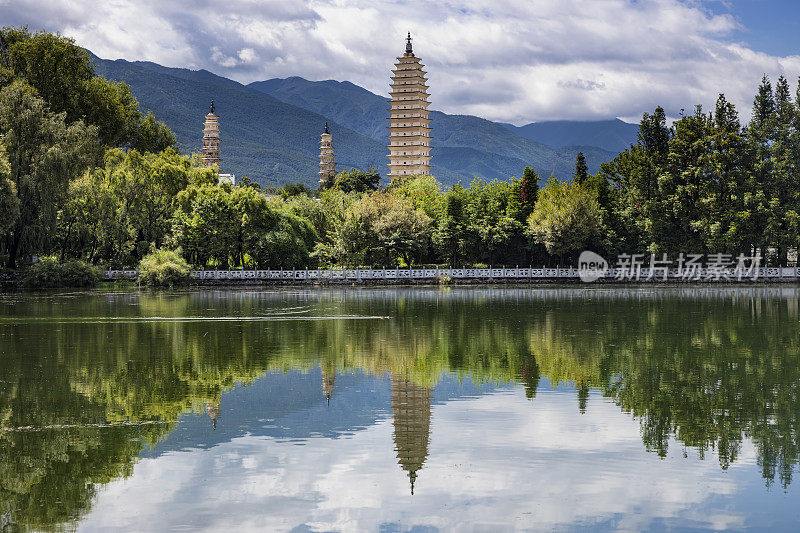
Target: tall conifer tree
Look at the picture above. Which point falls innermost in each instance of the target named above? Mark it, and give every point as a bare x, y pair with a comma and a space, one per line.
581, 173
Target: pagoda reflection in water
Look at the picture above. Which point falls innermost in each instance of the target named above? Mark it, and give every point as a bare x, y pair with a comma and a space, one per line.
212, 410
411, 404
328, 381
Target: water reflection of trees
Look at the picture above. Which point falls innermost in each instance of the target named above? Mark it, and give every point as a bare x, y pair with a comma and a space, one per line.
708, 370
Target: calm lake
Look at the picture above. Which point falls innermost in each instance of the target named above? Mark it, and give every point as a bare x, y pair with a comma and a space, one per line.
401, 409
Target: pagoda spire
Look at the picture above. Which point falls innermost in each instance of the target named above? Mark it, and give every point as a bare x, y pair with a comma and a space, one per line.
409, 125
211, 140
327, 161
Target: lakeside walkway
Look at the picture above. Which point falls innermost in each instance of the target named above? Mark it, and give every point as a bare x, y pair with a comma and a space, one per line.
483, 275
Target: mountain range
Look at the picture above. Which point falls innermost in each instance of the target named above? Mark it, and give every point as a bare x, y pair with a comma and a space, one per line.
270, 129
612, 135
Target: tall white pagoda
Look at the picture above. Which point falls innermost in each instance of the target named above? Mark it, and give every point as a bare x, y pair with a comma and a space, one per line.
409, 125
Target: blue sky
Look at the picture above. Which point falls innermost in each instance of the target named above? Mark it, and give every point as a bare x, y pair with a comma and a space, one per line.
771, 26
515, 61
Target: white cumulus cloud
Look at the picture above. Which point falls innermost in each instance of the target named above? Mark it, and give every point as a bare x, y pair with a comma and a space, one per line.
510, 60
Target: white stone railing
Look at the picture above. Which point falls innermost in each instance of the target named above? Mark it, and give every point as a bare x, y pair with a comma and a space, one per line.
120, 274
486, 274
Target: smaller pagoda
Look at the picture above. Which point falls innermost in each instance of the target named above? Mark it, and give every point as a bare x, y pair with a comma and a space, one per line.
327, 162
211, 140
328, 382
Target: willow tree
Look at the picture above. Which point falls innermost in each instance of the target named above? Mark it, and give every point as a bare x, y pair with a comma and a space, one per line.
45, 154
118, 211
9, 201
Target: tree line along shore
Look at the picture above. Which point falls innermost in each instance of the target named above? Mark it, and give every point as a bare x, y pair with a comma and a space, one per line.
88, 181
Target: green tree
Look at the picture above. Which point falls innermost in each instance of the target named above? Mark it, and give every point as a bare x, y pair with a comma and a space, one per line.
225, 224
53, 65
44, 155
9, 201
205, 225
287, 243
630, 188
528, 191
247, 182
295, 189
763, 109
451, 227
424, 192
118, 212
677, 202
152, 135
380, 229
355, 180
566, 217
493, 233
759, 134
62, 75
727, 198
163, 268
707, 184
781, 188
270, 235
581, 173
324, 213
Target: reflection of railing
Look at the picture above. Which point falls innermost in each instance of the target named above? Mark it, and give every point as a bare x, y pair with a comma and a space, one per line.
483, 274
